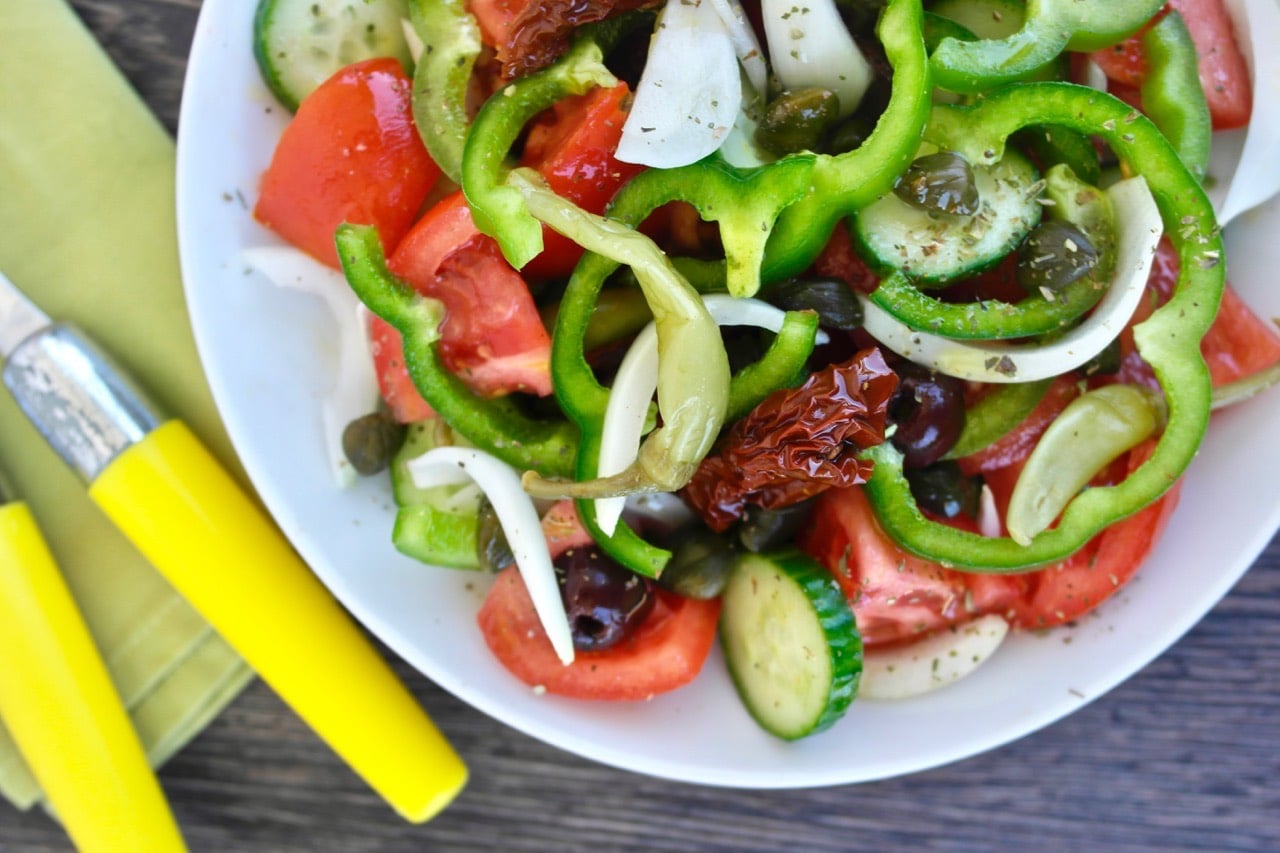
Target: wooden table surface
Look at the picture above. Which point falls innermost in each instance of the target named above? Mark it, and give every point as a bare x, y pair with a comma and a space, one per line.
1185, 755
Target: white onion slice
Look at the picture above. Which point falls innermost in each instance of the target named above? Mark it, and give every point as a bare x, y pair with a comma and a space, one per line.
520, 524
745, 43
935, 661
637, 380
690, 91
809, 45
988, 514
1139, 228
1246, 162
355, 386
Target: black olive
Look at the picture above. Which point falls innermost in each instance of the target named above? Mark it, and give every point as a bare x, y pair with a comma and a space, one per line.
766, 529
796, 120
1055, 254
604, 601
370, 441
492, 548
1105, 363
941, 182
928, 409
835, 302
699, 565
944, 490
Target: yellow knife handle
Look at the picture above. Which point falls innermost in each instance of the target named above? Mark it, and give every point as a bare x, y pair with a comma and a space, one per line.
63, 710
221, 552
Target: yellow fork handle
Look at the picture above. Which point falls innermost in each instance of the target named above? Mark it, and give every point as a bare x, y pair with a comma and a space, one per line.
220, 551
63, 710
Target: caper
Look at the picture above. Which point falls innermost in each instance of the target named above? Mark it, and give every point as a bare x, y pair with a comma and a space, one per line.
371, 440
765, 529
944, 490
699, 565
834, 300
1055, 254
796, 120
941, 182
492, 549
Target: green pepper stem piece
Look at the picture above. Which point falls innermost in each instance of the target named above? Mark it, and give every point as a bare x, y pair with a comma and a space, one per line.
1050, 27
693, 369
1089, 434
495, 425
498, 209
1169, 340
451, 42
1171, 93
995, 415
844, 183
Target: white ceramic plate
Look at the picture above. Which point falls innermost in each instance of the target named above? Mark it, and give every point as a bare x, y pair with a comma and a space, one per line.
268, 353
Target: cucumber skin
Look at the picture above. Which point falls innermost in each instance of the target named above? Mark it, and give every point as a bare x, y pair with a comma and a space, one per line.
836, 620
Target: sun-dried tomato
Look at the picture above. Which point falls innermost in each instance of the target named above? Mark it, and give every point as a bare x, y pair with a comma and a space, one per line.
798, 442
539, 33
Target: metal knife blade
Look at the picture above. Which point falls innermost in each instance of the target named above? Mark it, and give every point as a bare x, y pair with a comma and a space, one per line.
19, 317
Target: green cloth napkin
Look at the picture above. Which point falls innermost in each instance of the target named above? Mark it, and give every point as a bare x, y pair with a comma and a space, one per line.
87, 230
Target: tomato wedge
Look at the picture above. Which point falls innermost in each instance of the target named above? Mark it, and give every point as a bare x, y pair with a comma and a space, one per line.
1224, 76
492, 336
395, 386
350, 154
664, 653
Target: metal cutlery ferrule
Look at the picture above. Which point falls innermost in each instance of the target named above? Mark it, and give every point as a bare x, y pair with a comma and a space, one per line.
78, 398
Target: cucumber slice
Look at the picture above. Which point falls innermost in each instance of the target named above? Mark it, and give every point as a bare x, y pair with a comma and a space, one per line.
791, 643
301, 43
937, 248
437, 525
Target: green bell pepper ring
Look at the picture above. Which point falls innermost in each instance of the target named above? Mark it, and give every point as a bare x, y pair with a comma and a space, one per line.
693, 368
1172, 96
1050, 27
1069, 199
493, 425
844, 183
498, 209
451, 44
1169, 340
782, 365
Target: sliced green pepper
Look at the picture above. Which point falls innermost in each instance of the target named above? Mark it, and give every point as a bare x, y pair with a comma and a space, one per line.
1050, 27
499, 210
451, 44
996, 415
1169, 340
841, 184
494, 425
1171, 92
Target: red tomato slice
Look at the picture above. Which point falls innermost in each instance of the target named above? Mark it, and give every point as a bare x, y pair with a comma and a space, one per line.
895, 595
1224, 76
1068, 590
492, 335
574, 152
1237, 345
350, 154
397, 389
664, 653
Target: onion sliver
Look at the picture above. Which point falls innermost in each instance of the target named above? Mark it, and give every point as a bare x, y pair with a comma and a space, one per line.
689, 93
637, 380
745, 43
1139, 228
500, 483
935, 661
355, 386
809, 45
